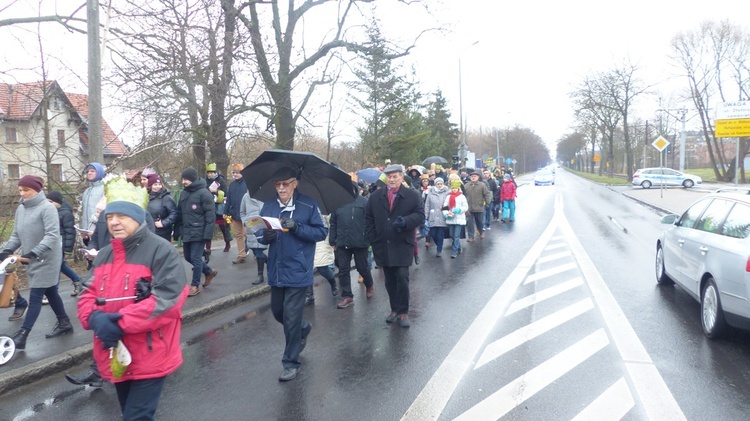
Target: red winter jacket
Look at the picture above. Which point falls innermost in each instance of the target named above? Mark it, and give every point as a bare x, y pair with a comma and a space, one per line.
508, 191
151, 326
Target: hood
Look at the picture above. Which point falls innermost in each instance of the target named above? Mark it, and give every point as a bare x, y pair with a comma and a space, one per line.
99, 170
197, 184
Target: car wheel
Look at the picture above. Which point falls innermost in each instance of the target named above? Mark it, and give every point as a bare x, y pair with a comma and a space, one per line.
661, 275
646, 184
688, 183
712, 316
7, 348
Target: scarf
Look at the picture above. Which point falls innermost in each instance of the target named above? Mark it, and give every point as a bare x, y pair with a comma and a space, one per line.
391, 195
452, 200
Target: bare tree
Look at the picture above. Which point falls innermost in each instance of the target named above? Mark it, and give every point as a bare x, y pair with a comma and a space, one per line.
69, 21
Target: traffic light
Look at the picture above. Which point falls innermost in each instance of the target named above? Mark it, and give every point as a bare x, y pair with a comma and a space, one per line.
456, 162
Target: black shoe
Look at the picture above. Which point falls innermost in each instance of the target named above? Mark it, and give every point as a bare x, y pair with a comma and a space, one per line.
309, 301
91, 378
259, 281
391, 317
19, 338
416, 259
335, 291
62, 327
288, 374
305, 332
17, 314
206, 256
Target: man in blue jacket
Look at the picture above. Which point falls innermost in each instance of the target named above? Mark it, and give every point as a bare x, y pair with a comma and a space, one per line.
235, 193
290, 261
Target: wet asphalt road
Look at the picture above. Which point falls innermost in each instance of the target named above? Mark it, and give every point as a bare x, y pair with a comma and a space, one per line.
356, 366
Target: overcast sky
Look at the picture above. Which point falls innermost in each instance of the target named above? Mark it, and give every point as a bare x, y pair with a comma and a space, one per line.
529, 56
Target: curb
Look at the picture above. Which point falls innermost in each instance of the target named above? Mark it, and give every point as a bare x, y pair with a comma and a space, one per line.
52, 365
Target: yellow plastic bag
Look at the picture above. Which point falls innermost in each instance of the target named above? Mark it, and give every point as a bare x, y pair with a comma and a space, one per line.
119, 359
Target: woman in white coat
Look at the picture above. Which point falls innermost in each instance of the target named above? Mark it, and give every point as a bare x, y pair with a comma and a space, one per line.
454, 209
324, 258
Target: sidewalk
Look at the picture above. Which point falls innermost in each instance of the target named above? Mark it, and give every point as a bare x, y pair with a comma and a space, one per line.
46, 357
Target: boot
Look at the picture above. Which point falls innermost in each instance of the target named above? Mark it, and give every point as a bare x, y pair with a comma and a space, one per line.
77, 289
19, 338
260, 279
206, 255
309, 296
91, 378
227, 246
62, 327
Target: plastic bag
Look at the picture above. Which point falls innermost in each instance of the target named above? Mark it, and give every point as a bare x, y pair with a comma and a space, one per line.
120, 359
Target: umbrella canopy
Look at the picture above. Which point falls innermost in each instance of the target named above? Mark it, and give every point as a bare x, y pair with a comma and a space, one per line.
328, 185
435, 160
369, 175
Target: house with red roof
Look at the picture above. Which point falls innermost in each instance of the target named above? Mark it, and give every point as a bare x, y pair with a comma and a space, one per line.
44, 131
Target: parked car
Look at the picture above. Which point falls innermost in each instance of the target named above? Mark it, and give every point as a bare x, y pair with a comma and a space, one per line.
648, 177
544, 177
706, 251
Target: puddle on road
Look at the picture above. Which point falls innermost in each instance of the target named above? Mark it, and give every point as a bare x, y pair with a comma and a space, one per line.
225, 326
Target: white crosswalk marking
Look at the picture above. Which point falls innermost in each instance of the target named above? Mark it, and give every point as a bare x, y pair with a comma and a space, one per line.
613, 404
544, 294
519, 390
531, 331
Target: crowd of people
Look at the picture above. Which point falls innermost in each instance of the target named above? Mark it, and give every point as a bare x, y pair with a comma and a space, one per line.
135, 220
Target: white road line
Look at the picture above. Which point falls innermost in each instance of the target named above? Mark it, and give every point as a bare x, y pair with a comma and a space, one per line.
531, 331
657, 399
550, 272
544, 294
613, 404
435, 395
554, 246
556, 256
519, 390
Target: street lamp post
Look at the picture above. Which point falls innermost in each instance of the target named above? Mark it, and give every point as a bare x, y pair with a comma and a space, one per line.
463, 148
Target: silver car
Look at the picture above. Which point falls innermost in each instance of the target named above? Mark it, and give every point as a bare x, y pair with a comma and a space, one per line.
647, 177
706, 251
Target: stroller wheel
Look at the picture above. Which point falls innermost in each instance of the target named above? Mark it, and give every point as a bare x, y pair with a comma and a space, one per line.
7, 348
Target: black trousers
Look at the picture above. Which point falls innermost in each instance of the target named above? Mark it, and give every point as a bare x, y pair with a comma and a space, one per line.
397, 285
139, 398
344, 263
287, 306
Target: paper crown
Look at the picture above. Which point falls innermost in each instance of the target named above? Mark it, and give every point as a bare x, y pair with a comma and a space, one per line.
211, 167
235, 167
118, 189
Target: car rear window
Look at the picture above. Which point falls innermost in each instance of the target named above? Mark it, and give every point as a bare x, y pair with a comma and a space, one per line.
691, 215
714, 215
737, 224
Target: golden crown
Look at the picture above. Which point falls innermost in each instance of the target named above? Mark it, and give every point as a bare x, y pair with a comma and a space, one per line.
118, 189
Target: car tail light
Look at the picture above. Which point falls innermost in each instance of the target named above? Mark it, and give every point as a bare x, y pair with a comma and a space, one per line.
747, 265
636, 175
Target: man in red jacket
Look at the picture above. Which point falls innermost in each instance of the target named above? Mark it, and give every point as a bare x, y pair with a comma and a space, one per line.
136, 296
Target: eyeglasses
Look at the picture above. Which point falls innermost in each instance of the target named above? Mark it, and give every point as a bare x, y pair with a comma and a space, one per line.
284, 184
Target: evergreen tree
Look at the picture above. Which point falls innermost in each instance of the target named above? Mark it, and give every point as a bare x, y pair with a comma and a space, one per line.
443, 139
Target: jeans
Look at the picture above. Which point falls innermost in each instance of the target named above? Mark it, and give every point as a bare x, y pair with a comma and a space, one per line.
397, 285
509, 208
496, 206
487, 215
287, 305
139, 398
327, 273
455, 233
344, 262
193, 253
35, 304
259, 253
476, 219
438, 236
70, 273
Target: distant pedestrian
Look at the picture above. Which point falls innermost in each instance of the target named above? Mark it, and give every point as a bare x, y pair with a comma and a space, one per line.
433, 209
235, 194
508, 196
251, 207
477, 194
161, 207
323, 262
217, 185
195, 219
492, 185
91, 196
68, 234
290, 261
454, 210
36, 232
391, 217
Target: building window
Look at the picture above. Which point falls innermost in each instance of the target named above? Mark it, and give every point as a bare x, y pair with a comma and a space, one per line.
57, 172
14, 171
10, 135
61, 138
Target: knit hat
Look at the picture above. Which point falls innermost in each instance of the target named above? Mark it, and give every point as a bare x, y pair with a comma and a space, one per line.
125, 198
55, 196
284, 173
153, 179
32, 182
190, 174
439, 180
148, 171
455, 184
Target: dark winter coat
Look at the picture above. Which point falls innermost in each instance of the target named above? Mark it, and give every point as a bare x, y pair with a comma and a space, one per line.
390, 247
152, 326
67, 226
196, 213
219, 207
347, 225
161, 207
237, 190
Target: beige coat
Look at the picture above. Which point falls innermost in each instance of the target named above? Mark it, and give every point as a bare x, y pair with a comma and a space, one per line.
323, 251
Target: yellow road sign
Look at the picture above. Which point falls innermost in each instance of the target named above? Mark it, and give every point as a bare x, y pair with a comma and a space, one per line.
660, 143
733, 128
597, 158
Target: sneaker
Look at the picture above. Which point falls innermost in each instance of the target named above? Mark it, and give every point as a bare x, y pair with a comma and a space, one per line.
210, 277
471, 240
335, 291
45, 301
438, 254
194, 291
288, 374
370, 292
309, 300
403, 320
453, 256
346, 302
391, 317
238, 260
77, 289
17, 314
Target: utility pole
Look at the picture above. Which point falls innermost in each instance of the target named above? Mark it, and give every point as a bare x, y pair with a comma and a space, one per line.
645, 146
95, 125
683, 135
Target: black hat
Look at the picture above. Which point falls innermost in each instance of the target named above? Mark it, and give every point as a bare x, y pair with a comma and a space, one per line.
190, 174
283, 173
55, 196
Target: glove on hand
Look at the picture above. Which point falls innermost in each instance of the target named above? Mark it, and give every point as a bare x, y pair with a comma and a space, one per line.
4, 255
289, 224
399, 224
30, 255
269, 235
106, 328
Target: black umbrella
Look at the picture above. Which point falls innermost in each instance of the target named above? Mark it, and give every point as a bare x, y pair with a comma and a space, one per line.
434, 160
328, 185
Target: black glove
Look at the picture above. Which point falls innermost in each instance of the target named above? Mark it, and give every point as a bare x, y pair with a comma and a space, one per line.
30, 256
399, 224
106, 328
142, 289
269, 235
4, 255
289, 224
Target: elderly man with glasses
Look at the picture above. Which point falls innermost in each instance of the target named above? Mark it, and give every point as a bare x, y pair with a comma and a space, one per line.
290, 261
